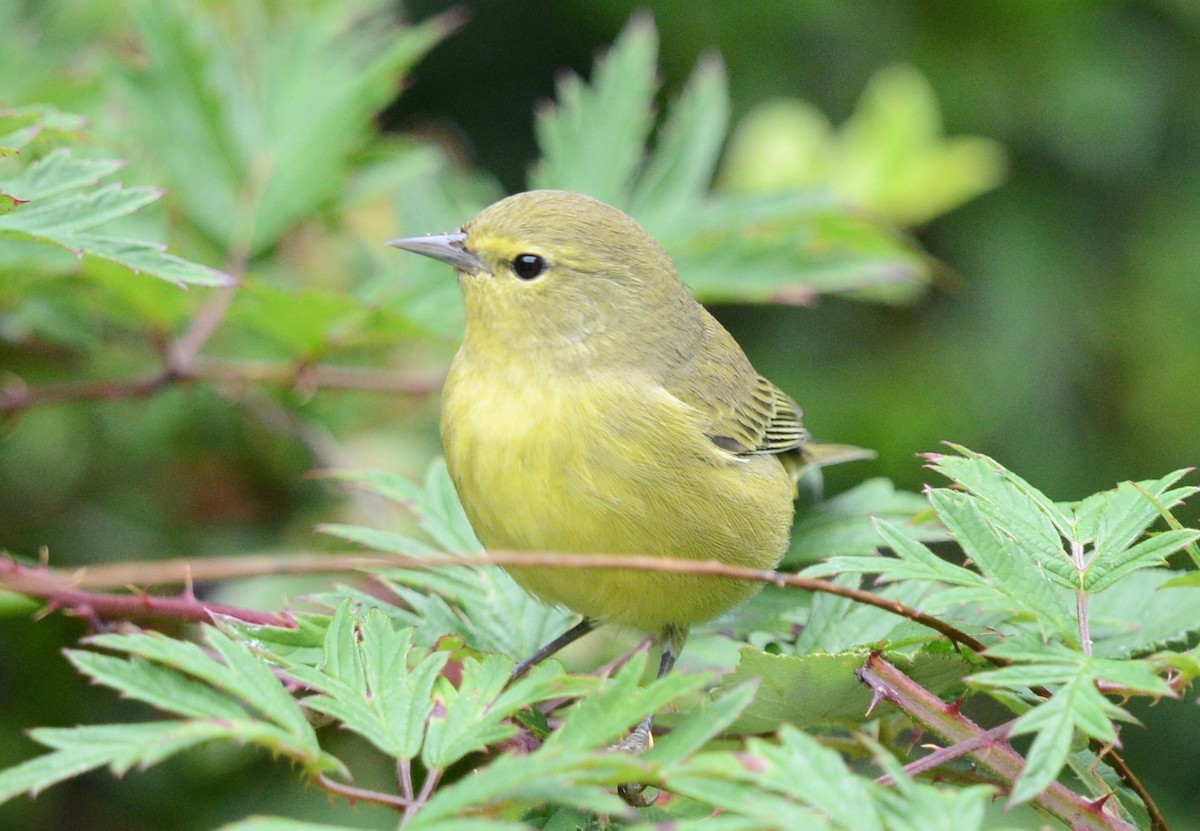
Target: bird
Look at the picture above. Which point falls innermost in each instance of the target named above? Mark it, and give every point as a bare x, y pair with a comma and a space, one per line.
595, 407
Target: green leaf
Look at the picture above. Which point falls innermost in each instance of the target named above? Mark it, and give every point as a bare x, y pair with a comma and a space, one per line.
557, 777
256, 91
889, 159
601, 717
156, 685
1076, 705
124, 746
467, 718
57, 173
1127, 512
594, 139
823, 690
679, 173
387, 541
34, 776
65, 220
243, 675
894, 159
846, 524
1021, 511
1141, 613
366, 682
701, 725
913, 561
767, 780
1008, 568
1148, 553
442, 515
281, 824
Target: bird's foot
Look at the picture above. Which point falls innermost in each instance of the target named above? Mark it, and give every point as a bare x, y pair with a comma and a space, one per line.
639, 741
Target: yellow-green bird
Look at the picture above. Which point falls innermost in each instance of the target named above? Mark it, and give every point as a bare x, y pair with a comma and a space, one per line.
596, 407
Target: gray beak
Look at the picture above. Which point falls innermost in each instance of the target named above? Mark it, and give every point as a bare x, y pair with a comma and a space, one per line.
445, 247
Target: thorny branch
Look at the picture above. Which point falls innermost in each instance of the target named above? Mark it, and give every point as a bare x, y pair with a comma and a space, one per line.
991, 752
209, 569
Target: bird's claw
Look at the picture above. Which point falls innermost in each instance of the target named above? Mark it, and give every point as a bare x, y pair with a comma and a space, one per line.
639, 741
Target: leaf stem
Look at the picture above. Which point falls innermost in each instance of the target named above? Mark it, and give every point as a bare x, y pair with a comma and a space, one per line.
362, 794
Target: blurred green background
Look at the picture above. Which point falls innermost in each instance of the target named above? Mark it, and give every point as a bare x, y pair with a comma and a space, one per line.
1060, 337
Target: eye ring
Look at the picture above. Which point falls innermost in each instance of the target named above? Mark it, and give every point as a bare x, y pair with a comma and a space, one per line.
528, 266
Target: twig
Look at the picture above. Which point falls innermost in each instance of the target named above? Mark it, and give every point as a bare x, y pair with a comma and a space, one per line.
48, 585
608, 562
943, 755
889, 684
182, 353
16, 395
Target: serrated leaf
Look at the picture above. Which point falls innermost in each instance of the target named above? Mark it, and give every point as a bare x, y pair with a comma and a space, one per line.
556, 777
593, 140
701, 725
773, 778
680, 171
255, 91
156, 685
57, 173
443, 517
60, 213
1127, 511
123, 746
243, 675
466, 719
1141, 613
846, 524
1151, 552
380, 698
340, 656
822, 690
913, 561
1008, 568
601, 717
1023, 512
38, 774
390, 486
1076, 705
65, 216
388, 541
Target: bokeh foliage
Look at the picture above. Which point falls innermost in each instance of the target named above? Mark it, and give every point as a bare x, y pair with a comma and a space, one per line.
1058, 338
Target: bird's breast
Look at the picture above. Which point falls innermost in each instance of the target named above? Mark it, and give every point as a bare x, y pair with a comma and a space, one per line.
615, 464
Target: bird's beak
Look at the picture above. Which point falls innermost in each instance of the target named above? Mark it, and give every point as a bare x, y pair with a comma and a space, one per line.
445, 247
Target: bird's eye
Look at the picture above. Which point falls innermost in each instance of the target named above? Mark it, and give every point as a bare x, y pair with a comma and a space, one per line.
528, 266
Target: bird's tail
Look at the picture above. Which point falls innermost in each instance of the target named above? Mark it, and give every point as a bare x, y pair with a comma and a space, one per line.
805, 466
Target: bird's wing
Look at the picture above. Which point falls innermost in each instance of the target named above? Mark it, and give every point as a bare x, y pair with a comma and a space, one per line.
741, 411
760, 419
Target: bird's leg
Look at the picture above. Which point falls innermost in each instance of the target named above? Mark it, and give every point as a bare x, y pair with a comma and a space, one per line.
641, 740
565, 639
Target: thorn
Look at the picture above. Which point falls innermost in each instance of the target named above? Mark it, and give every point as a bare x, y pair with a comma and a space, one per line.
877, 695
88, 613
1097, 805
189, 588
917, 734
955, 706
44, 556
